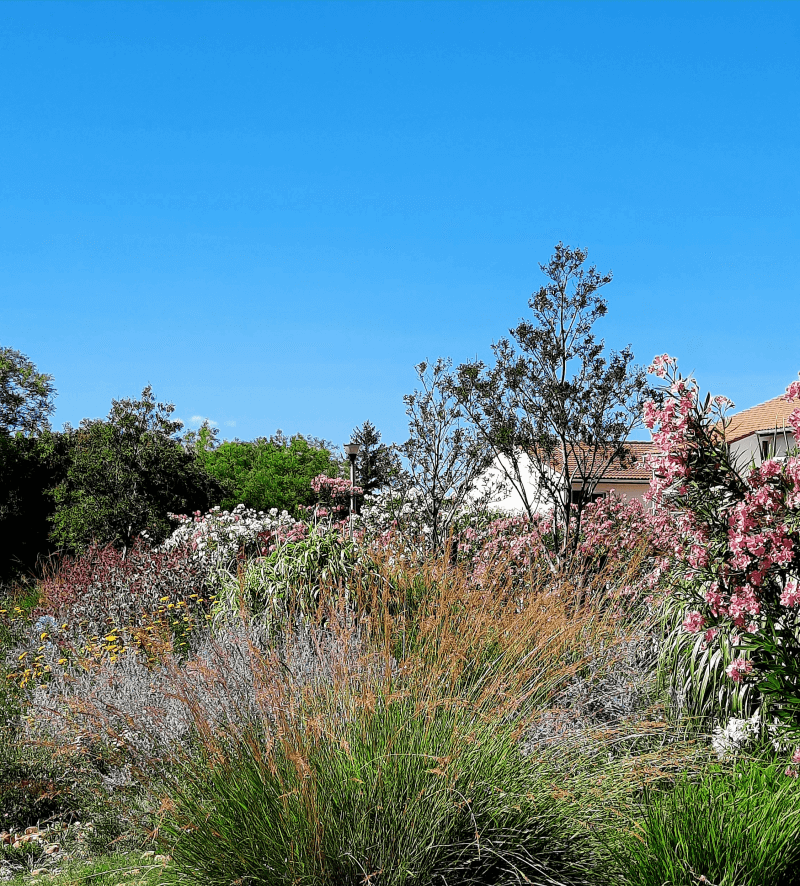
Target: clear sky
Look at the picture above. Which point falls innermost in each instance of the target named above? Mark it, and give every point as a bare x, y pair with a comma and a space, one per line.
272, 211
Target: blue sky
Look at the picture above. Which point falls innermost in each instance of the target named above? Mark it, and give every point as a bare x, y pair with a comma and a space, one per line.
272, 211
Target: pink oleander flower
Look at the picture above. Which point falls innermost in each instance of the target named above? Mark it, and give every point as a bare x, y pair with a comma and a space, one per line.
796, 756
661, 364
791, 772
738, 668
791, 593
794, 423
793, 391
694, 622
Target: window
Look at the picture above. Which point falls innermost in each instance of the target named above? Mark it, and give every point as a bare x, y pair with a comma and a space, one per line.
765, 448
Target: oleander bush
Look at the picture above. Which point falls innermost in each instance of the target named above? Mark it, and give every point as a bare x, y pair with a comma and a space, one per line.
736, 547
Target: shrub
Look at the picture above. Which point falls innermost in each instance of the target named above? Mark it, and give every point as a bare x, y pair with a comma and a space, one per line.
287, 582
334, 496
735, 827
39, 785
102, 589
101, 602
738, 539
218, 540
399, 793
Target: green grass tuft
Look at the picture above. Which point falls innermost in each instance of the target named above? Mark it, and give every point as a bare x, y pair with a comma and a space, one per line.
733, 827
401, 794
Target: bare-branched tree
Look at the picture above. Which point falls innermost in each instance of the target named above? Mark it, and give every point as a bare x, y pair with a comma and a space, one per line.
555, 409
446, 455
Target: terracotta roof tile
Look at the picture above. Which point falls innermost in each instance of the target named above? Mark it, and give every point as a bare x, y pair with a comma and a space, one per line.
634, 470
763, 417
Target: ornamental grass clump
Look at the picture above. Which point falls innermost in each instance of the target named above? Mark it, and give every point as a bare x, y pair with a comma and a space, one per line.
286, 583
381, 733
402, 789
728, 827
404, 764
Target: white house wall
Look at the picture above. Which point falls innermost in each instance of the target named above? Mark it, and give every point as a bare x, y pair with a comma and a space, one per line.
747, 451
511, 500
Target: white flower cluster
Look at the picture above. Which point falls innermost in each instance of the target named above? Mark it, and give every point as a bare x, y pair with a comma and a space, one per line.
389, 520
219, 537
739, 735
735, 736
399, 522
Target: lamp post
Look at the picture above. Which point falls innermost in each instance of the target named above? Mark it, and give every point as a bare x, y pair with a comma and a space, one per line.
352, 450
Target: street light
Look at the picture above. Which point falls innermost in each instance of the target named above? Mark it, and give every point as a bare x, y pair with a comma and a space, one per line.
352, 450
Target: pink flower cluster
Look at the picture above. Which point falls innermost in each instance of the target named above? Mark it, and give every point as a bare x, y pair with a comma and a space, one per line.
737, 533
516, 541
334, 487
694, 622
661, 365
669, 423
333, 494
612, 529
793, 393
790, 596
738, 668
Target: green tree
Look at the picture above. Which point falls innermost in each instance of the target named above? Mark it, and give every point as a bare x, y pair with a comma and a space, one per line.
377, 463
555, 407
26, 395
125, 474
27, 469
269, 472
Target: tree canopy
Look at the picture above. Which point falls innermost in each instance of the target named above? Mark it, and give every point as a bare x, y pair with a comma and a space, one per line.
26, 395
124, 474
269, 472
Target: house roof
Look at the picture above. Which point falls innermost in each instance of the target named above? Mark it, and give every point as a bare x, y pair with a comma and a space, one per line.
764, 417
635, 469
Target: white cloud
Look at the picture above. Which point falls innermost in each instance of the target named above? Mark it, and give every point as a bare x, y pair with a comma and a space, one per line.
199, 419
230, 424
